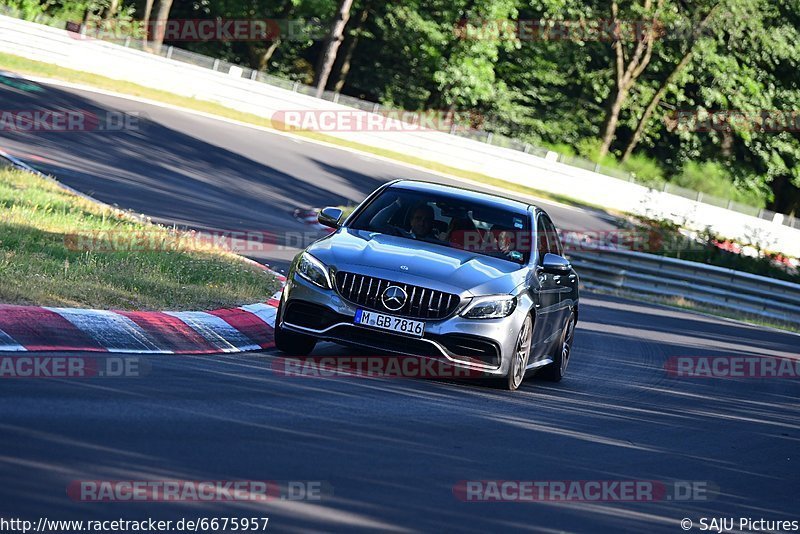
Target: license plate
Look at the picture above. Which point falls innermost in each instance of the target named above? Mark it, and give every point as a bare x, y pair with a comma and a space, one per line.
390, 322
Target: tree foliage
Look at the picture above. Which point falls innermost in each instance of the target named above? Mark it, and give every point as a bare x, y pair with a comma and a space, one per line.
534, 71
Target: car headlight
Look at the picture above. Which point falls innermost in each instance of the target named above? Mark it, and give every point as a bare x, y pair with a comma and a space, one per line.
313, 270
493, 307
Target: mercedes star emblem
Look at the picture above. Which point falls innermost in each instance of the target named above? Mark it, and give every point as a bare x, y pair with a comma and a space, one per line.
394, 298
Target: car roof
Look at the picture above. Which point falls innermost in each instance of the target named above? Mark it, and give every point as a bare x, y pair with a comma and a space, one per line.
459, 192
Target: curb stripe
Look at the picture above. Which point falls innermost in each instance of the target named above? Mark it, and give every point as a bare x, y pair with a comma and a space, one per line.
39, 329
32, 328
115, 332
217, 332
265, 312
249, 324
274, 300
171, 333
7, 343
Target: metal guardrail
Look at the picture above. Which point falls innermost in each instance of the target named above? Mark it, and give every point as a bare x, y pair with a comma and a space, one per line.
717, 287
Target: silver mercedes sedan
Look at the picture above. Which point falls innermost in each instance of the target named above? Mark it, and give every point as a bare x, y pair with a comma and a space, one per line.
475, 280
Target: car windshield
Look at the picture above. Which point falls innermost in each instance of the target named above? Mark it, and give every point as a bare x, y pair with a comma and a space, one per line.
451, 221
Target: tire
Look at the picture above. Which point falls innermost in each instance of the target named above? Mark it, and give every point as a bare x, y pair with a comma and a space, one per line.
292, 343
516, 369
555, 371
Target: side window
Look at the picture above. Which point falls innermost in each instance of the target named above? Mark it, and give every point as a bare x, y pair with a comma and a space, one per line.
554, 242
542, 244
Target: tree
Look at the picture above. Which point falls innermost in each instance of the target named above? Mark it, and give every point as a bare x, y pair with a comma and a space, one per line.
162, 18
628, 70
111, 9
335, 38
286, 11
466, 76
655, 100
352, 42
741, 83
148, 9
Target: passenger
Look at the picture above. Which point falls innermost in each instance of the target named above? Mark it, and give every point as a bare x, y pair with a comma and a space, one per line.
505, 243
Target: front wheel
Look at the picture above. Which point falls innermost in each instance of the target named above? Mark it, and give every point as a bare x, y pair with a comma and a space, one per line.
519, 363
555, 371
292, 343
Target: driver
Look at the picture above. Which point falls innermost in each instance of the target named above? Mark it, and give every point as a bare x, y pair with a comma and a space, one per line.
422, 221
422, 218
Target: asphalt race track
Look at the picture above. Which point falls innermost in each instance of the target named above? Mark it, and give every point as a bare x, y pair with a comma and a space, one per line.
389, 451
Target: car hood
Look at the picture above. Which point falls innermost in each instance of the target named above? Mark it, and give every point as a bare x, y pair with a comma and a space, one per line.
428, 264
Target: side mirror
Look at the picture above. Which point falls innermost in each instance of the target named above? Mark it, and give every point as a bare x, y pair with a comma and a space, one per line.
330, 217
555, 264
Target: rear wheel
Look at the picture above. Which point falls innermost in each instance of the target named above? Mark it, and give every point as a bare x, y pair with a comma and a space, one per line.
519, 363
555, 371
293, 343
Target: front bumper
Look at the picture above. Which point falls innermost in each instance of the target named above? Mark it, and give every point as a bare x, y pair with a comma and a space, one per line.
487, 345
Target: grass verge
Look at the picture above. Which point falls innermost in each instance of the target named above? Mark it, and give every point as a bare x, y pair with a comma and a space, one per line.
23, 66
58, 249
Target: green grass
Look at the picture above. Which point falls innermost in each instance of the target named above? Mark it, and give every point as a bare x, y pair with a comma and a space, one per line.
58, 249
24, 66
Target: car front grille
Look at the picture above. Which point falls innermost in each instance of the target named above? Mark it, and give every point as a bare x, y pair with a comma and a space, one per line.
421, 303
